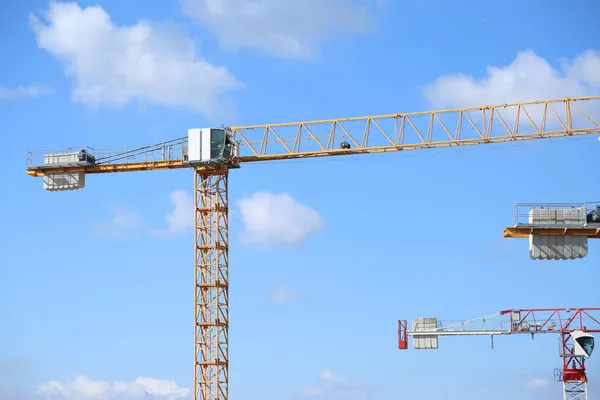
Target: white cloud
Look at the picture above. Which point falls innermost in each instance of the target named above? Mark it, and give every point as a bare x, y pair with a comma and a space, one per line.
117, 65
331, 386
277, 218
122, 222
282, 294
278, 27
23, 92
182, 216
83, 388
537, 383
529, 77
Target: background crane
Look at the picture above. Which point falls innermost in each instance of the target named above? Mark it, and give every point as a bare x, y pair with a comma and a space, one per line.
211, 152
556, 231
574, 325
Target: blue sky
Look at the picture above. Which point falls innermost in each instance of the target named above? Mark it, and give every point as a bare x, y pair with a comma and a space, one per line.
87, 290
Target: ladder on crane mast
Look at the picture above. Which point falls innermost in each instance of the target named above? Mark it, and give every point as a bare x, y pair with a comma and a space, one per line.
212, 152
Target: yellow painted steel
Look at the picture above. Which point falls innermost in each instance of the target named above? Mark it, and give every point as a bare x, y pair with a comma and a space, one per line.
211, 379
103, 168
407, 136
524, 232
211, 299
404, 136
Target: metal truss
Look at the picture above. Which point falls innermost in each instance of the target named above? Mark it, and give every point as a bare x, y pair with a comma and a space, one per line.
212, 285
420, 130
573, 374
485, 124
515, 321
561, 321
574, 390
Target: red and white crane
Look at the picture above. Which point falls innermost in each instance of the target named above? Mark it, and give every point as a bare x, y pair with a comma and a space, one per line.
574, 325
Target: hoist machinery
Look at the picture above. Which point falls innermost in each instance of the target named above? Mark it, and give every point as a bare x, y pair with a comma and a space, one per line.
574, 327
212, 152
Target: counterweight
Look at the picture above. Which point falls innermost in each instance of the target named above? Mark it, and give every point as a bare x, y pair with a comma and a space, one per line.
574, 325
211, 152
489, 124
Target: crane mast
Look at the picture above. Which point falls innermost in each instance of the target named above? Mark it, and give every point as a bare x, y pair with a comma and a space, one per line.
211, 344
212, 152
574, 326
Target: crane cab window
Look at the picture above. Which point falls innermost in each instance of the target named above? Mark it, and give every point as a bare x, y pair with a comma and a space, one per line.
587, 344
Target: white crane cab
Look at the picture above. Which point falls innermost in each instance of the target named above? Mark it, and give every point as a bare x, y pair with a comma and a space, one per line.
211, 146
583, 344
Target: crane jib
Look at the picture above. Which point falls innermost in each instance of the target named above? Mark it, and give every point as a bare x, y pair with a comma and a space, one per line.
232, 146
211, 152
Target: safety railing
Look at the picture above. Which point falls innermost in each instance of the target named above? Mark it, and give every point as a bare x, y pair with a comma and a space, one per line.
553, 214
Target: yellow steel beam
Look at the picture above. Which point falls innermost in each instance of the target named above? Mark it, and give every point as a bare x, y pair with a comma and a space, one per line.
524, 232
211, 202
211, 304
122, 167
470, 126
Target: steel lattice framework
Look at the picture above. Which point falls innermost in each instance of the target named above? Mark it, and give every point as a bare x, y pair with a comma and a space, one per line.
212, 285
486, 124
516, 122
561, 321
572, 375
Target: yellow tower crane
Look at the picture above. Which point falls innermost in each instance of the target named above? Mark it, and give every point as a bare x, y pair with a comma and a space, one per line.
211, 152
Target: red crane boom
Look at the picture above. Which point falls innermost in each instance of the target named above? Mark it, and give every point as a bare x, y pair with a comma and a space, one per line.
574, 325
